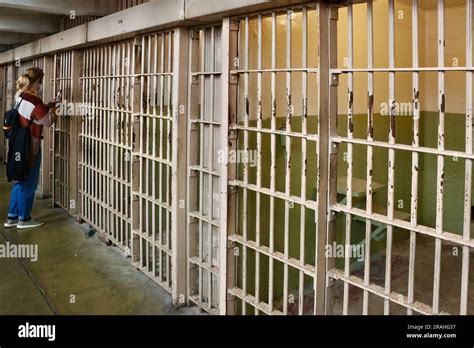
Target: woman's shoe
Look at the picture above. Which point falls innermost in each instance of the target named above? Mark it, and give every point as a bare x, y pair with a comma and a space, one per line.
10, 223
29, 224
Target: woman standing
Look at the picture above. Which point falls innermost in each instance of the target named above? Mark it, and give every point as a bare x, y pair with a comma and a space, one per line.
30, 110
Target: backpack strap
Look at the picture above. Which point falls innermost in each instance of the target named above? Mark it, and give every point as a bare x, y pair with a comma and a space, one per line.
21, 99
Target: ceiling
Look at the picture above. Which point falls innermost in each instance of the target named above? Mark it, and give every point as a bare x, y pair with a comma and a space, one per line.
23, 21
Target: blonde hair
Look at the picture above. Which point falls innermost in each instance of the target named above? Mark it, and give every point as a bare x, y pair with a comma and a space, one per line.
24, 81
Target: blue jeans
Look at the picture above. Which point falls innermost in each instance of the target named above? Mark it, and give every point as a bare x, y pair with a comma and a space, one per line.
23, 193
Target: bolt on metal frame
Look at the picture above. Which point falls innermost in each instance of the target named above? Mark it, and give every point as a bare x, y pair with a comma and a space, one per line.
106, 141
438, 233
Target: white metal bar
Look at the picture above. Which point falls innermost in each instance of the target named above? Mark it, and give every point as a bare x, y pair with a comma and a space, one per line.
425, 230
289, 107
403, 147
246, 169
391, 155
259, 158
440, 164
273, 160
415, 157
468, 163
370, 151
350, 127
304, 130
401, 69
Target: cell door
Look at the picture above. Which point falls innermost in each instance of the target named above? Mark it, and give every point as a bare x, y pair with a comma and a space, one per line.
66, 68
278, 251
153, 157
106, 141
401, 181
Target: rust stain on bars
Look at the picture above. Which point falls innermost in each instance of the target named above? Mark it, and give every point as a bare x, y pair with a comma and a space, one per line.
370, 102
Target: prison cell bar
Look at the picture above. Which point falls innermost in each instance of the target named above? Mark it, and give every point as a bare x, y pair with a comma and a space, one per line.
468, 163
289, 109
304, 162
273, 161
327, 15
210, 151
440, 164
245, 164
415, 157
370, 151
202, 40
350, 101
327, 171
391, 154
229, 103
259, 159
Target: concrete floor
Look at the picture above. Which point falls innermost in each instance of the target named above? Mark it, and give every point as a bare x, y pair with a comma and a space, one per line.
102, 280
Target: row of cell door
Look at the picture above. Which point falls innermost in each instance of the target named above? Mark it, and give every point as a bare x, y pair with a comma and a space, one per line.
279, 162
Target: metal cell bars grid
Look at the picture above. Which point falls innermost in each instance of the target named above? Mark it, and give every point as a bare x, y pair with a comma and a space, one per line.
155, 157
9, 95
390, 220
106, 141
47, 175
205, 168
63, 70
124, 4
277, 162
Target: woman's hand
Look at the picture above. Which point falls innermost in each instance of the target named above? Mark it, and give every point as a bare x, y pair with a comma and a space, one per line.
53, 103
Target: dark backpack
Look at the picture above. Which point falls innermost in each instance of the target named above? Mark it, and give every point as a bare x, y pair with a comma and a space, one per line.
11, 120
19, 145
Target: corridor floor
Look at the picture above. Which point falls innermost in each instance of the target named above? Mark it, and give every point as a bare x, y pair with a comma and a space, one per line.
73, 274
